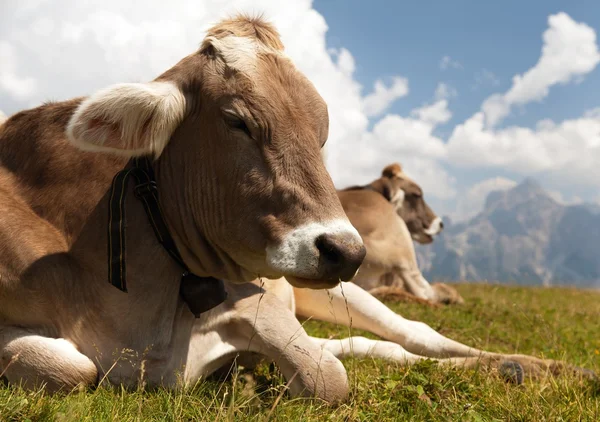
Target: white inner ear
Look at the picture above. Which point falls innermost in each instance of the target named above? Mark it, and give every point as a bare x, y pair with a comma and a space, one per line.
144, 117
398, 198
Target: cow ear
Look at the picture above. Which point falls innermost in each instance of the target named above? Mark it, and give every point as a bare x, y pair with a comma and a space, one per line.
386, 189
392, 170
131, 119
383, 186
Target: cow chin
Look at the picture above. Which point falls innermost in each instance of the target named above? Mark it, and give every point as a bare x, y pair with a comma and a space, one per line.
306, 283
422, 238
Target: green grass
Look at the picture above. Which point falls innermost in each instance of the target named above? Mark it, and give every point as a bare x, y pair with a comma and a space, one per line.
554, 323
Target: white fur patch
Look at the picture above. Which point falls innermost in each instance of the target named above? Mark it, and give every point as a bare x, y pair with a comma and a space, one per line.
241, 53
435, 227
398, 199
298, 255
145, 114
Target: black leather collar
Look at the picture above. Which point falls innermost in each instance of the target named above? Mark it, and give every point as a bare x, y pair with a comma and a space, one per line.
200, 293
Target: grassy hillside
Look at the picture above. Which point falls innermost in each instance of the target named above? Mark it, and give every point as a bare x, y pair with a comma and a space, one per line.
555, 323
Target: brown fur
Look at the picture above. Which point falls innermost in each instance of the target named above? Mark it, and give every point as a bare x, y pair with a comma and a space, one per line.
226, 196
415, 212
391, 265
248, 26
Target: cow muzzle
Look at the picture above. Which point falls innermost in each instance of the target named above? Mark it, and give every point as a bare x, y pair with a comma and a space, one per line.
318, 255
435, 227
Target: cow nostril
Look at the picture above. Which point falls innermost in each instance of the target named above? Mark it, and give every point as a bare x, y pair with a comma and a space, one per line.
441, 225
328, 249
340, 255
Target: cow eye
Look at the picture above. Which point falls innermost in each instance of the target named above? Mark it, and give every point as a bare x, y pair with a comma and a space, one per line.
237, 123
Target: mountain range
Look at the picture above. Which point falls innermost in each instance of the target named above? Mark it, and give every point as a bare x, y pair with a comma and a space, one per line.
521, 236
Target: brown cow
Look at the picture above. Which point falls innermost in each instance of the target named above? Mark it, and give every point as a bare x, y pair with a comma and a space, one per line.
390, 269
243, 191
406, 196
234, 133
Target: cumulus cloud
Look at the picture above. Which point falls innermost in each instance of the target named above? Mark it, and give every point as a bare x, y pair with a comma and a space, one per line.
383, 96
398, 138
53, 50
62, 49
20, 88
448, 63
433, 114
471, 202
559, 197
571, 147
410, 140
569, 52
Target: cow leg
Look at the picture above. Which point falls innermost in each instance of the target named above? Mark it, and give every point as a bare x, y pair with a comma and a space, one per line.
416, 284
398, 294
350, 305
363, 347
511, 367
265, 325
33, 360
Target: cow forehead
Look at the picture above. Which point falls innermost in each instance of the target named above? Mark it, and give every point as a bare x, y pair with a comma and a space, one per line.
243, 54
403, 178
269, 80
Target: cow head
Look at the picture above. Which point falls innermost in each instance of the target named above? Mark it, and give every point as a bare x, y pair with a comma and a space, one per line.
407, 197
236, 131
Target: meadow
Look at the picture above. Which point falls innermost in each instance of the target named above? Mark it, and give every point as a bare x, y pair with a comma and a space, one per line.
559, 323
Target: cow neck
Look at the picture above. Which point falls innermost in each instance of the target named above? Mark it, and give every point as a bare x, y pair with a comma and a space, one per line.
200, 293
369, 187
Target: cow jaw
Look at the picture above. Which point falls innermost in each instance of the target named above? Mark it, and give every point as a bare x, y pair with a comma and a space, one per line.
318, 255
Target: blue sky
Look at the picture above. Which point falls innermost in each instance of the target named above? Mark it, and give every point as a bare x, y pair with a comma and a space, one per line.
457, 147
388, 38
505, 38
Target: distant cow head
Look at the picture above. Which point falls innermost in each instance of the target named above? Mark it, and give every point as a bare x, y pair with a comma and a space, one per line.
408, 199
237, 132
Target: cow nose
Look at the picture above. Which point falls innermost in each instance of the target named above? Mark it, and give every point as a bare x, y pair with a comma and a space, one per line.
340, 255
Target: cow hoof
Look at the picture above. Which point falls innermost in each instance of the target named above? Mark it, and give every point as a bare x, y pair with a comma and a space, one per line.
512, 372
446, 294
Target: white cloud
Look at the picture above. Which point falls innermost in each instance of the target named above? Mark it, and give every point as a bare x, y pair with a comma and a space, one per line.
570, 148
471, 202
569, 52
445, 91
383, 96
567, 150
60, 49
397, 138
433, 114
18, 87
559, 197
593, 113
447, 62
64, 49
